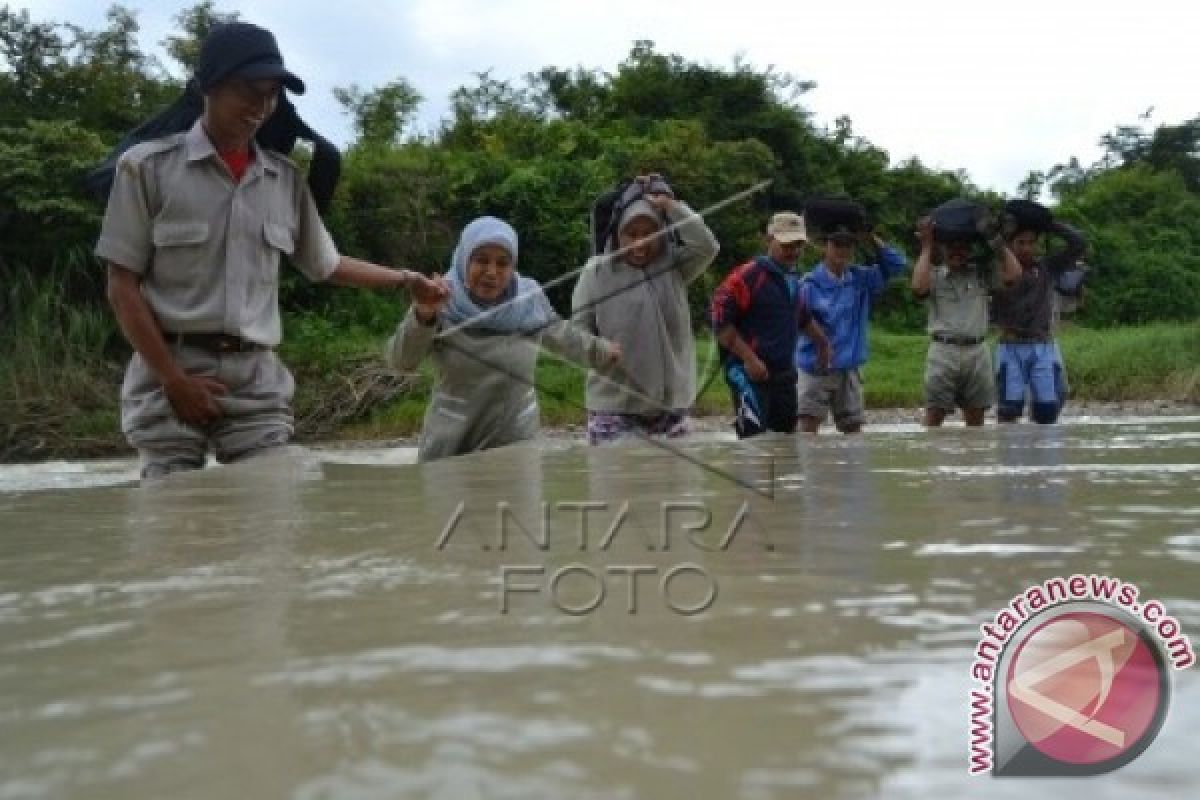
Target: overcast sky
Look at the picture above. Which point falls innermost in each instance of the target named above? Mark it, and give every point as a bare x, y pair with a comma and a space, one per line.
996, 88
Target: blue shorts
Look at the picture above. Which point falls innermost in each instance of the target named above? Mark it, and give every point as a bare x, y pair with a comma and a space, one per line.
1035, 370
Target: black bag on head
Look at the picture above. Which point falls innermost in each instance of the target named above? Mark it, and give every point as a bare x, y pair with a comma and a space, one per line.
1029, 216
608, 208
827, 214
958, 220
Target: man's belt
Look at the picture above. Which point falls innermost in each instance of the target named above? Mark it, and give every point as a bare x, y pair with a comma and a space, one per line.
216, 342
961, 341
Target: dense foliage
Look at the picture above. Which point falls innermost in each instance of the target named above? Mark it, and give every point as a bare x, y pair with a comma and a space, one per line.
537, 152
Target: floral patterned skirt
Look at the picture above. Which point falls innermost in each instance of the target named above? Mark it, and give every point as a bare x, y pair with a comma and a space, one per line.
605, 426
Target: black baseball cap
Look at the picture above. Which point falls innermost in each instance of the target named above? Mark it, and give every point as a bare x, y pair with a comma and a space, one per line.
243, 50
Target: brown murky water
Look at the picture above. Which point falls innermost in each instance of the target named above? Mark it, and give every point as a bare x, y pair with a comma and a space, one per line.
291, 628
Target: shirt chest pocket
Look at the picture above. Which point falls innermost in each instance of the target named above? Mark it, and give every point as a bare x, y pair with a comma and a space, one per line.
278, 239
970, 291
182, 251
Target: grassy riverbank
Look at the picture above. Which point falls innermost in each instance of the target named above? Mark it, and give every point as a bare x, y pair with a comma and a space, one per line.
60, 376
1156, 362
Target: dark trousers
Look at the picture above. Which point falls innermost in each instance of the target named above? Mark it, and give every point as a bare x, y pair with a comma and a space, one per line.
760, 407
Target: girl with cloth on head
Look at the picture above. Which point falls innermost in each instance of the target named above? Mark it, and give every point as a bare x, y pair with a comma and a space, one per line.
483, 339
636, 295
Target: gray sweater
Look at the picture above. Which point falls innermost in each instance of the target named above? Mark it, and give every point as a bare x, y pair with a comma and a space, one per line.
483, 391
646, 312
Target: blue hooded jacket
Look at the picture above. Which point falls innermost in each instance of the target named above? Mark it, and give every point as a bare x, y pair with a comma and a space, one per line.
841, 308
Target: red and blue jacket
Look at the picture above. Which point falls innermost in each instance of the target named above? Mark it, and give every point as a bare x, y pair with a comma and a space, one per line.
762, 301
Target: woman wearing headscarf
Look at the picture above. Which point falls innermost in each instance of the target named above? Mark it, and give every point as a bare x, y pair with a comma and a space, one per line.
483, 340
636, 295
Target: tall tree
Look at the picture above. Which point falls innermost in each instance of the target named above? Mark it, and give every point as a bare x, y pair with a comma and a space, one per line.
380, 115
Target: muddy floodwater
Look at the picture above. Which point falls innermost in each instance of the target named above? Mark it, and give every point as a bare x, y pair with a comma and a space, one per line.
791, 617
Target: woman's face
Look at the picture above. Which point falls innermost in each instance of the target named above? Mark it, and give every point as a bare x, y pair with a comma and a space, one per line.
638, 241
489, 271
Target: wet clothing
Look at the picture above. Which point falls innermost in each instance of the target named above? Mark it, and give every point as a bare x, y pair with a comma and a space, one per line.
958, 376
839, 391
1025, 310
841, 307
761, 301
484, 394
1033, 370
257, 415
605, 427
958, 368
207, 251
1028, 361
646, 312
761, 406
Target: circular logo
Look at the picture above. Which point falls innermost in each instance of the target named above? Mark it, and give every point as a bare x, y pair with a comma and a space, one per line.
1085, 688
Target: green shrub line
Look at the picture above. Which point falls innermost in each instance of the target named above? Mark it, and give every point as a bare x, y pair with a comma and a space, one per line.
60, 374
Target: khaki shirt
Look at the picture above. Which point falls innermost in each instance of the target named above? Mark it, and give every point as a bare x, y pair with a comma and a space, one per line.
958, 300
208, 249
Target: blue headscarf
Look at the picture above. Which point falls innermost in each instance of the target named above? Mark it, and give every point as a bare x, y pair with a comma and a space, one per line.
521, 308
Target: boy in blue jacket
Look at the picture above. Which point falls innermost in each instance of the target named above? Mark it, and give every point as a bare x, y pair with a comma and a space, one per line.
838, 294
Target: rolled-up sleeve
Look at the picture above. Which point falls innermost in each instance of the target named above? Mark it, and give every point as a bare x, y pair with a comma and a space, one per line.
126, 233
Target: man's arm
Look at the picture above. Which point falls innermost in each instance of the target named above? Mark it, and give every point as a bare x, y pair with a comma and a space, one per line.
729, 303
889, 262
192, 396
573, 343
824, 347
1010, 267
1074, 246
365, 275
922, 278
699, 246
729, 339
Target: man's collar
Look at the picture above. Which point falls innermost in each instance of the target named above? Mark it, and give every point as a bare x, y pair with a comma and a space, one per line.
200, 147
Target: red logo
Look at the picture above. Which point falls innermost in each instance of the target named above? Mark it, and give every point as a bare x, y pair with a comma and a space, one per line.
1086, 689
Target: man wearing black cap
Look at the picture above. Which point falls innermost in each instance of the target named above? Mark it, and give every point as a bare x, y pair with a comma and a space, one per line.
193, 233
